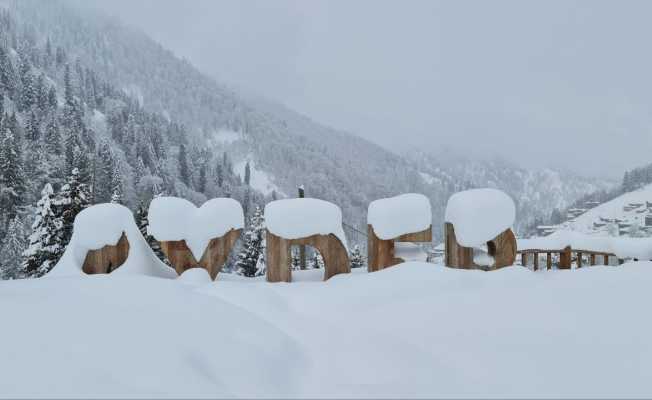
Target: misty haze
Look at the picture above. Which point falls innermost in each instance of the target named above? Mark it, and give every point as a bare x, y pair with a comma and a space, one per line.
316, 199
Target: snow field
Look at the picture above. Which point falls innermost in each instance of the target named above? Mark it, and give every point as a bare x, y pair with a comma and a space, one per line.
413, 330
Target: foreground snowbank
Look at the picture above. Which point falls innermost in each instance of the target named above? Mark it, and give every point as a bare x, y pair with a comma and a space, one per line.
411, 330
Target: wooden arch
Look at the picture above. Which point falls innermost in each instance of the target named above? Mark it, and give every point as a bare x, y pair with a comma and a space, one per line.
380, 253
213, 259
108, 258
336, 258
502, 248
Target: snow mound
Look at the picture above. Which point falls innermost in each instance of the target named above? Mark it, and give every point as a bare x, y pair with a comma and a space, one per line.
173, 218
298, 218
195, 276
103, 225
479, 215
623, 247
396, 216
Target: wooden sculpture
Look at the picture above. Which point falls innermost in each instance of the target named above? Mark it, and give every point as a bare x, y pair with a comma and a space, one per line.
502, 248
381, 252
108, 258
336, 258
213, 259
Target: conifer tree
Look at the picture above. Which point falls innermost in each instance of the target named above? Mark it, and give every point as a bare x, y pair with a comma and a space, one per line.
142, 220
12, 184
253, 247
44, 242
116, 185
53, 138
184, 172
72, 198
12, 248
316, 262
356, 258
247, 174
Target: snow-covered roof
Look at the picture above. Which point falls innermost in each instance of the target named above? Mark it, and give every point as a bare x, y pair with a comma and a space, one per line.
479, 215
399, 215
299, 218
173, 218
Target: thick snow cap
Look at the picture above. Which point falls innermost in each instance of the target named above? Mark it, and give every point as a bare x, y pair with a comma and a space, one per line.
299, 218
396, 216
173, 218
103, 225
479, 215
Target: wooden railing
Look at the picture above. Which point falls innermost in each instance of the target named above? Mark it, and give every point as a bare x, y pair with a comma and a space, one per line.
565, 257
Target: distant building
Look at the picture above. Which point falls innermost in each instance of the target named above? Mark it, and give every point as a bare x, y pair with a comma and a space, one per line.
545, 230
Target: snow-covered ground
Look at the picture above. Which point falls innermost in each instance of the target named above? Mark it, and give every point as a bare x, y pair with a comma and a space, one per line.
413, 330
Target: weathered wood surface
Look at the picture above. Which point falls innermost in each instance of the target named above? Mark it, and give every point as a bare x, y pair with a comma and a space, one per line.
213, 258
108, 258
502, 248
380, 252
336, 258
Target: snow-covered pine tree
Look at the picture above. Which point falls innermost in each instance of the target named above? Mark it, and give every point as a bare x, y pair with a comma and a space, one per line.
72, 198
12, 183
253, 246
13, 246
142, 220
44, 247
184, 172
116, 185
295, 263
356, 258
316, 261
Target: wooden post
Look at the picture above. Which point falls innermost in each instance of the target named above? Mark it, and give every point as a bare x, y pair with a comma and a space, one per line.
579, 259
565, 258
548, 260
606, 259
302, 248
524, 259
592, 259
536, 261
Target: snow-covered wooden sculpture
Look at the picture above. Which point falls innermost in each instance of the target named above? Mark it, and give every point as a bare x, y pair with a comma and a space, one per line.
404, 218
477, 230
106, 239
108, 258
311, 222
194, 237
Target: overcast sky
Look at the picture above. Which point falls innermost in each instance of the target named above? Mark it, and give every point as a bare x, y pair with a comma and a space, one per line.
543, 83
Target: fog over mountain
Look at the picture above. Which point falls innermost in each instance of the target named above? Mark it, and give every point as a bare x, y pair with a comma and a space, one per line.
556, 84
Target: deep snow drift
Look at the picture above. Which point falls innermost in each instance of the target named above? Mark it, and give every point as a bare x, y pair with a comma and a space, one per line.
411, 330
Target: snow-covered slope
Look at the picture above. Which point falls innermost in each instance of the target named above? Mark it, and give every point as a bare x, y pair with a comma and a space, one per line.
286, 149
420, 330
628, 209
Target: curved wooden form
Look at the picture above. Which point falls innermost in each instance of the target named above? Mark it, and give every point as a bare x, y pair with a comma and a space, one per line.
502, 248
212, 260
380, 253
108, 258
336, 258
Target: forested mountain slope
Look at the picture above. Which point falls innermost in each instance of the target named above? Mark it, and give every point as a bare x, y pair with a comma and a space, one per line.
101, 112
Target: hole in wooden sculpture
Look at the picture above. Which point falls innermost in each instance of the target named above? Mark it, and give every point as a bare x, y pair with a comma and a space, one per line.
381, 253
213, 259
279, 255
108, 258
501, 251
